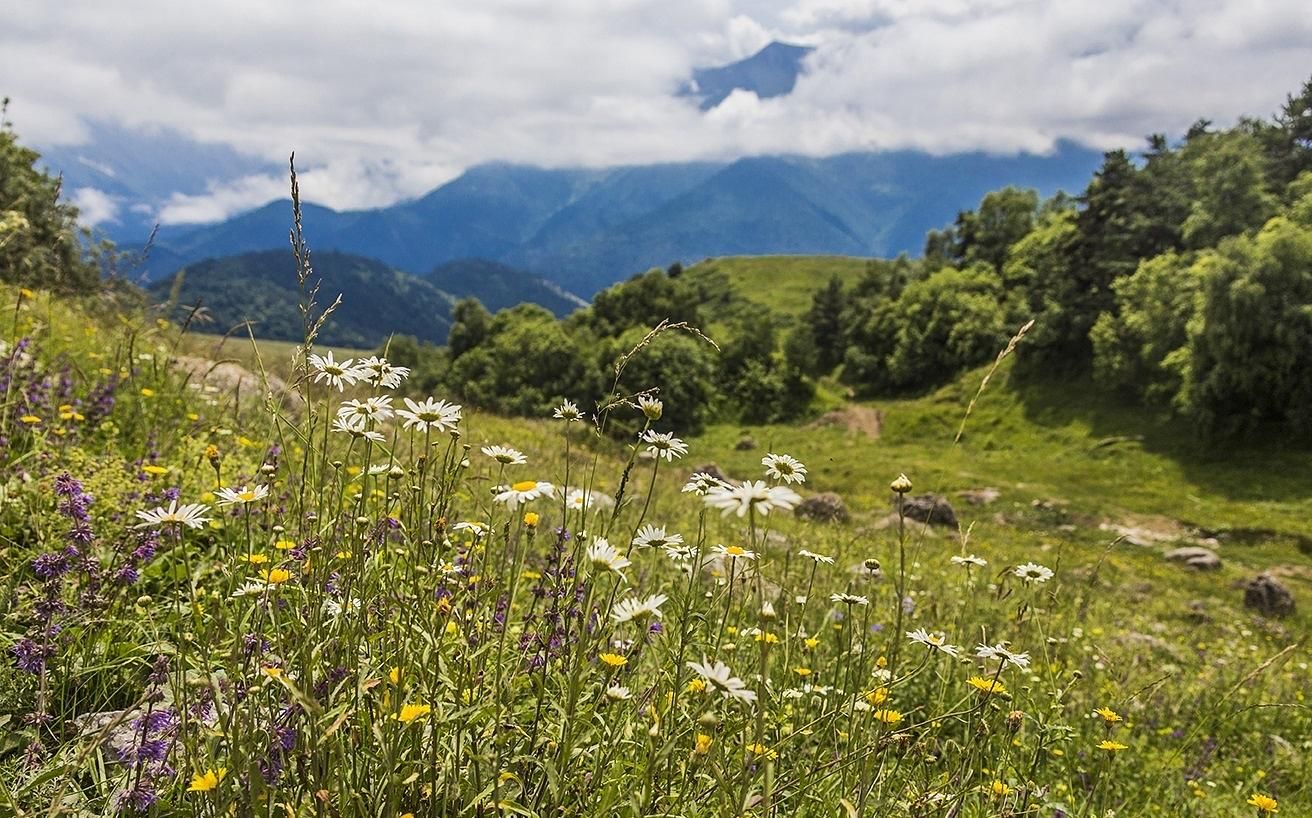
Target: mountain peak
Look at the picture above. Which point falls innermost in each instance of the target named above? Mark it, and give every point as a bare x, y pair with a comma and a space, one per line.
770, 72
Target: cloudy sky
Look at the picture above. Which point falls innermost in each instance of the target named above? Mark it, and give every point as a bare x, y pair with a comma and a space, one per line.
384, 99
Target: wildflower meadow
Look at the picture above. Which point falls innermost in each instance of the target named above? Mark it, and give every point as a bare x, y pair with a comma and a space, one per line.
333, 597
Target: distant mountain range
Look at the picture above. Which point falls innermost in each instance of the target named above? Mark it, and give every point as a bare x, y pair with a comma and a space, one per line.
581, 228
377, 300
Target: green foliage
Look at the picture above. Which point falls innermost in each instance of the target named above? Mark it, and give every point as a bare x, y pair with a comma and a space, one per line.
1250, 341
1232, 197
39, 245
679, 365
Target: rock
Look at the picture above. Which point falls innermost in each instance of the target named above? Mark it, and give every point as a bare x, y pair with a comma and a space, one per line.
980, 497
1268, 597
826, 508
1195, 556
929, 508
745, 444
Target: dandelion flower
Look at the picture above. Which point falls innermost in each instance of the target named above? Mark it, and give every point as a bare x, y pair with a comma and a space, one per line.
887, 716
208, 780
761, 751
1000, 789
664, 445
603, 556
718, 676
785, 468
505, 455
814, 557
653, 536
1112, 746
1264, 803
934, 641
522, 492
275, 576
411, 712
241, 496
639, 610
970, 560
703, 744
1033, 572
613, 659
989, 687
430, 415
189, 514
337, 374
1108, 715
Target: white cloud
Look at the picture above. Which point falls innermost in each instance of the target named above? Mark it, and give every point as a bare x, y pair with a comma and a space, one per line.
383, 102
95, 207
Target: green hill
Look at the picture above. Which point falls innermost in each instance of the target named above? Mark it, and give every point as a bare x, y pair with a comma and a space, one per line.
377, 301
783, 284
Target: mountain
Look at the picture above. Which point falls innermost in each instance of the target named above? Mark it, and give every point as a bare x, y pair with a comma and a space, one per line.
500, 286
377, 300
770, 72
584, 229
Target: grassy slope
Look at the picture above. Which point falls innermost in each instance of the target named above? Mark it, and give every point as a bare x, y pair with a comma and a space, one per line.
782, 283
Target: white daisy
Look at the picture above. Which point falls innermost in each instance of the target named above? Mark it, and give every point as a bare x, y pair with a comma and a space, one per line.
735, 552
1033, 572
354, 425
505, 455
516, 494
479, 529
653, 536
381, 373
785, 468
582, 500
700, 483
934, 641
751, 494
618, 693
651, 408
679, 553
376, 408
811, 555
849, 599
664, 444
718, 676
1002, 654
338, 374
568, 411
190, 515
241, 496
603, 556
430, 415
633, 608
970, 560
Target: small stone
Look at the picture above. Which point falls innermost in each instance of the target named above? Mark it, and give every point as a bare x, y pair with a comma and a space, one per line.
980, 497
1196, 557
928, 508
826, 508
1268, 597
745, 443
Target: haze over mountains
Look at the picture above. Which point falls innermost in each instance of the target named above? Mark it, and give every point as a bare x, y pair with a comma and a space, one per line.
583, 229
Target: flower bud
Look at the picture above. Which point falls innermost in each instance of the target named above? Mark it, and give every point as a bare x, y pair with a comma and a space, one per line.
901, 485
651, 408
871, 564
767, 612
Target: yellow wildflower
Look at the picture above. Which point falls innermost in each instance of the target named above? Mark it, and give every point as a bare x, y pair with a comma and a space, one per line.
762, 751
256, 559
613, 659
151, 468
802, 671
394, 675
887, 716
410, 712
811, 643
989, 687
703, 744
877, 696
1000, 789
147, 392
531, 519
1264, 803
276, 576
696, 686
1109, 716
30, 420
208, 780
1112, 746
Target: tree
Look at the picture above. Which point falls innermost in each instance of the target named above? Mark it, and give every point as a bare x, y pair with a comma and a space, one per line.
39, 245
681, 366
824, 322
470, 325
1232, 194
1249, 345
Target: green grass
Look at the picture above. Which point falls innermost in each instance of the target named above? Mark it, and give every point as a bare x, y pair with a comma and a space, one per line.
784, 284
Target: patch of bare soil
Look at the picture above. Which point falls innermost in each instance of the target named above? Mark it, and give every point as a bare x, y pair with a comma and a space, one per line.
861, 419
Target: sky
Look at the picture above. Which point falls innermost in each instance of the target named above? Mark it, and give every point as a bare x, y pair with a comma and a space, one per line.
383, 100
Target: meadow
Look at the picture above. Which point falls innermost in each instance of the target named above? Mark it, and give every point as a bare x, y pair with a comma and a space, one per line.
331, 597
